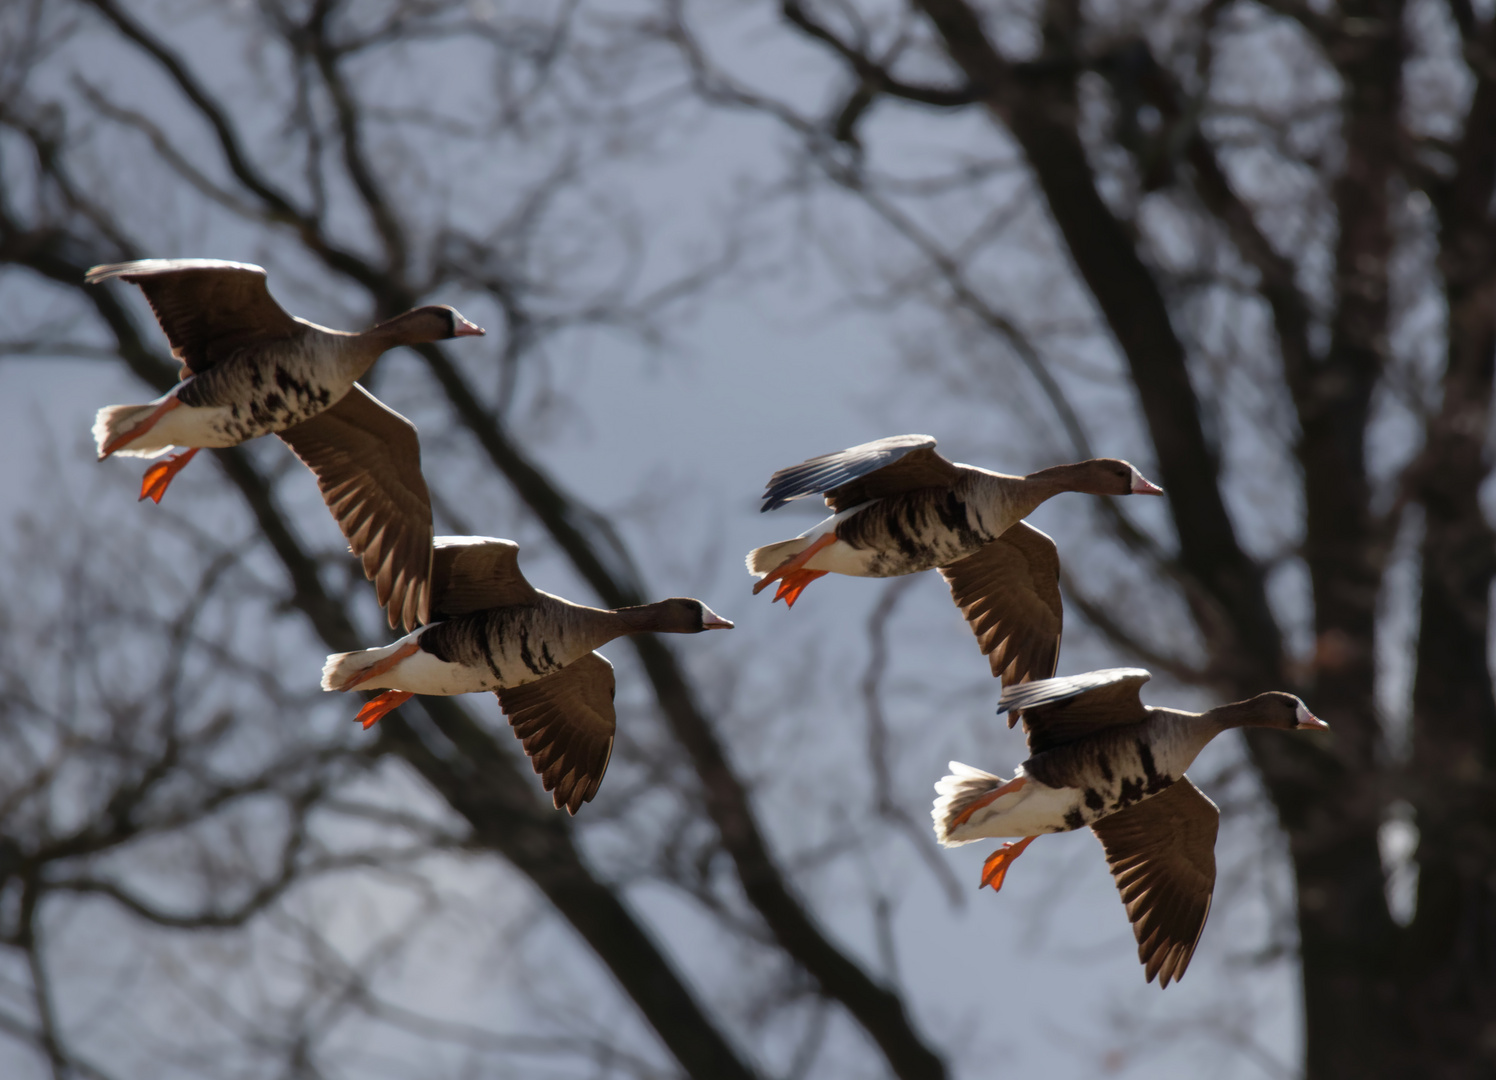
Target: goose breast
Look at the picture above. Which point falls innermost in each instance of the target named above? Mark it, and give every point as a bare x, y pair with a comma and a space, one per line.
920, 530
508, 646
1112, 771
266, 387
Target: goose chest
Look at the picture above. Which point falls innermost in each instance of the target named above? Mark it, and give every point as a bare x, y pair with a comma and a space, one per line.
266, 388
924, 529
1113, 770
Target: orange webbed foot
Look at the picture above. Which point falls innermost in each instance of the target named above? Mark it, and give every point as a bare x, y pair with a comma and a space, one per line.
159, 476
386, 702
793, 584
995, 869
794, 567
1015, 784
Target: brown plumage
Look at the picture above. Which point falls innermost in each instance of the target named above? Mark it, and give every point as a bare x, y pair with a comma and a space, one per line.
1161, 853
492, 630
1099, 757
367, 461
249, 368
1009, 592
566, 723
899, 507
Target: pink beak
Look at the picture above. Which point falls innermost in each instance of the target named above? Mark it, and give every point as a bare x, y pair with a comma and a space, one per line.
1141, 486
465, 328
1308, 720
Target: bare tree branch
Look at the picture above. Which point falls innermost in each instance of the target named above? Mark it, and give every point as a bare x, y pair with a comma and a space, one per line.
884, 803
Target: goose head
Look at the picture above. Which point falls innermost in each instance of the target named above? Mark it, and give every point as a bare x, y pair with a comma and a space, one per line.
456, 325
1099, 476
434, 322
1275, 710
1112, 476
678, 615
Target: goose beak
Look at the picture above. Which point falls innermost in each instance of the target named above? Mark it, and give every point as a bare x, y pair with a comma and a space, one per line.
710, 620
1308, 720
463, 328
1141, 486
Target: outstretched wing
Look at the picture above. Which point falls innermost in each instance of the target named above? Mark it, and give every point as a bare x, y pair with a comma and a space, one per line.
476, 573
1162, 855
207, 307
367, 460
1059, 711
566, 723
1009, 592
871, 471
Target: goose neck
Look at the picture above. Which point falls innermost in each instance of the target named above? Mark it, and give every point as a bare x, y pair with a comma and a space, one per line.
1237, 714
413, 327
1047, 483
1022, 495
640, 619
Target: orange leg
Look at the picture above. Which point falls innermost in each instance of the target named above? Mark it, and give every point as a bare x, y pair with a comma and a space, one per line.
793, 564
992, 796
995, 869
159, 476
139, 429
793, 584
380, 668
386, 702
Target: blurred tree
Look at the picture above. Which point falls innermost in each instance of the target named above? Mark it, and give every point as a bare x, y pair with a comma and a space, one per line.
1259, 233
1282, 215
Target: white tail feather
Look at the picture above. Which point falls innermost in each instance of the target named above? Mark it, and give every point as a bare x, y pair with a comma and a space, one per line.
344, 667
956, 792
767, 559
113, 419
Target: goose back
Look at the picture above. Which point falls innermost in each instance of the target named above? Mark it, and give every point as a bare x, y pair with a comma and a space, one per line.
858, 474
1059, 711
471, 573
209, 309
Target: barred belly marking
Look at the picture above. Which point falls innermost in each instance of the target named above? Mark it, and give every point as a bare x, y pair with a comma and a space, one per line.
261, 398
1108, 774
502, 641
918, 532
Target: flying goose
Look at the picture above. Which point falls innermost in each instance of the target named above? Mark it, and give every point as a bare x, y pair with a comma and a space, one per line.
1100, 757
898, 507
494, 631
249, 369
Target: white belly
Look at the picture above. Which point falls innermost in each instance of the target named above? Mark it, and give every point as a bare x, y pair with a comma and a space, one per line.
1032, 810
422, 673
840, 557
184, 426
